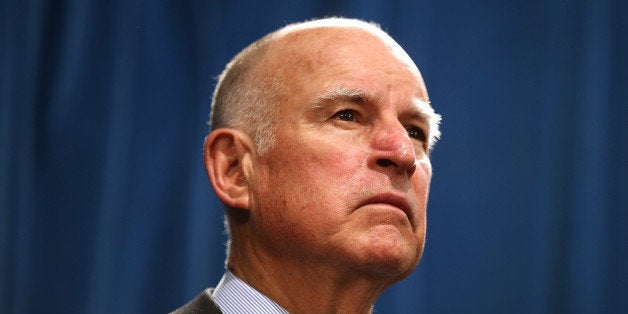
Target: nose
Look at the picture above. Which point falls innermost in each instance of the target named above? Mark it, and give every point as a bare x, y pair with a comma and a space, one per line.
393, 149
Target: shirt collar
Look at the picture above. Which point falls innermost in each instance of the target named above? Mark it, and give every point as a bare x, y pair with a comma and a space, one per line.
235, 296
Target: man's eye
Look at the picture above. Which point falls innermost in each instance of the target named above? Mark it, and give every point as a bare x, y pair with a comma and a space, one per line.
416, 133
345, 115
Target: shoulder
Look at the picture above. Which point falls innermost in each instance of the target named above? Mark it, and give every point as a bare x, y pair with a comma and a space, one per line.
203, 303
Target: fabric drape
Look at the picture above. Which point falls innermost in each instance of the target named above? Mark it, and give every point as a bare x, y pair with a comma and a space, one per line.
104, 202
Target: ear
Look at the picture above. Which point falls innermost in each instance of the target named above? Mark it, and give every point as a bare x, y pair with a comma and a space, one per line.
227, 152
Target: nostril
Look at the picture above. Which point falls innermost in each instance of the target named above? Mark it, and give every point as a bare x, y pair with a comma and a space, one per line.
384, 162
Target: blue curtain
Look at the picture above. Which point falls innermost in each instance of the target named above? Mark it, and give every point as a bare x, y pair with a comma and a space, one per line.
105, 207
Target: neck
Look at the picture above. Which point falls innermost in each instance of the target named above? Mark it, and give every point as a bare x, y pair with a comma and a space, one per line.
302, 287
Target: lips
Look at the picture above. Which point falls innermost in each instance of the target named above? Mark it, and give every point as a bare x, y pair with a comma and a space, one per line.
395, 200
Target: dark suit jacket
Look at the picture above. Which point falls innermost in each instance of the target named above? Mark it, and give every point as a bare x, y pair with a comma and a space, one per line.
203, 304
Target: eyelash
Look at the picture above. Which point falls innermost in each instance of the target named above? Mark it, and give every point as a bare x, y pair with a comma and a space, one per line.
350, 115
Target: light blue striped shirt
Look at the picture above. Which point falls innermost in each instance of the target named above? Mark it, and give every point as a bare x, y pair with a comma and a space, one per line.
234, 296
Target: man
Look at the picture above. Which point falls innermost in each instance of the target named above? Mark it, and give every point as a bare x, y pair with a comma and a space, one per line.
319, 150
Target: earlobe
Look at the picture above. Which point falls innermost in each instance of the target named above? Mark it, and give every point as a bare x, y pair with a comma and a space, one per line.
224, 152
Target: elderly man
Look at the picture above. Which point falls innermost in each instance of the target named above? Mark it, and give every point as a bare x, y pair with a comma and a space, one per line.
319, 150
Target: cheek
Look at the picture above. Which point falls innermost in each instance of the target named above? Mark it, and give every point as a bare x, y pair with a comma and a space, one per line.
300, 178
313, 183
421, 185
423, 175
325, 160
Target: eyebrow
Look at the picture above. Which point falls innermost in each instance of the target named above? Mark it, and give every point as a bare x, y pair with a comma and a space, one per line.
342, 94
421, 109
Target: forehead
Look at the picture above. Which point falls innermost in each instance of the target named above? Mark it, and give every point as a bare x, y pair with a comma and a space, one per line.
307, 58
330, 42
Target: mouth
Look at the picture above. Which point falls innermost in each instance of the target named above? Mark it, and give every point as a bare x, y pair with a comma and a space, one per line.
395, 200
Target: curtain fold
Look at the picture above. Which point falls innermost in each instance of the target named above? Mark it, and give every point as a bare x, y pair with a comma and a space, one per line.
104, 203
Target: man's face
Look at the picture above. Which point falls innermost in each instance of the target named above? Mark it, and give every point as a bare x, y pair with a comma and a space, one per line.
346, 183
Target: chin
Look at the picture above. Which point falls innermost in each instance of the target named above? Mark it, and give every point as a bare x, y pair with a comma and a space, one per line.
394, 266
391, 255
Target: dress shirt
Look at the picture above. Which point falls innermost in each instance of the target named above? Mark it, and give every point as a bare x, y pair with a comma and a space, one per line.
235, 296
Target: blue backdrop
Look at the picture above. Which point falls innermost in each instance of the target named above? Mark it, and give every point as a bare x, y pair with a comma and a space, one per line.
105, 207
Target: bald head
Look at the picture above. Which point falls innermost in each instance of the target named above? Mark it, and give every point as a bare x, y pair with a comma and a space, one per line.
264, 75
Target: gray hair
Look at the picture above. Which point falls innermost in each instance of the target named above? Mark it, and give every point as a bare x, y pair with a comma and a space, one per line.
245, 102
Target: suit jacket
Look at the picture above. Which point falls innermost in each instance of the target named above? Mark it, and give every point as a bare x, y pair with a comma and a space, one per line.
203, 303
